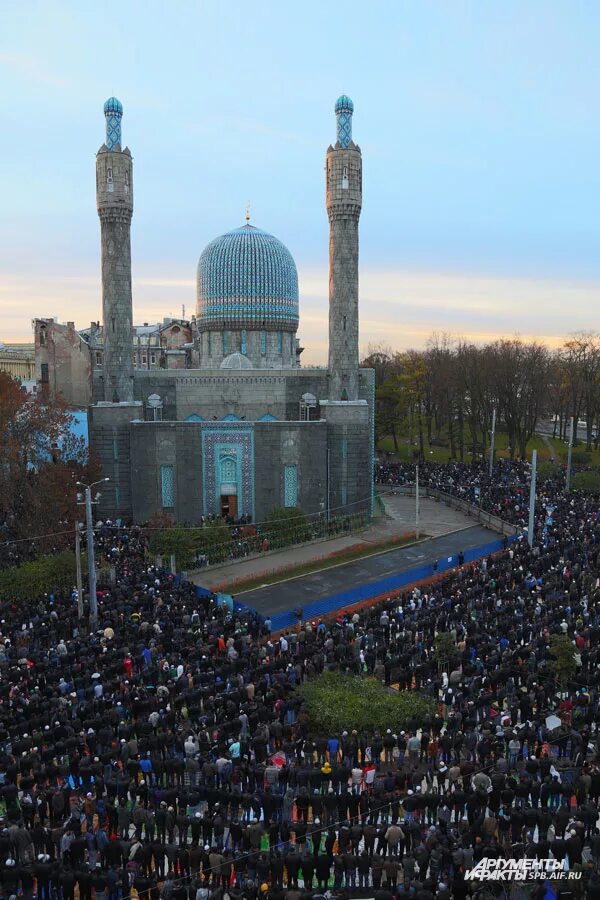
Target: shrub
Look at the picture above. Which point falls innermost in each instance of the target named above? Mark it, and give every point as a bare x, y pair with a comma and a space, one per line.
338, 702
45, 575
285, 526
213, 539
581, 457
587, 481
563, 661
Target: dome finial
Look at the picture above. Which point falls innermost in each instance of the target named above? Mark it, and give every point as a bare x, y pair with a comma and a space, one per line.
247, 212
344, 107
113, 112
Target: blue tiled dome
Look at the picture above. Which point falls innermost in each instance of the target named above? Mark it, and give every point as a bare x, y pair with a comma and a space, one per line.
344, 104
247, 279
113, 106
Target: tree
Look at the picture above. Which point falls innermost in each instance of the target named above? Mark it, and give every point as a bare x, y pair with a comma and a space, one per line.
286, 525
212, 539
520, 374
41, 461
445, 651
337, 702
562, 651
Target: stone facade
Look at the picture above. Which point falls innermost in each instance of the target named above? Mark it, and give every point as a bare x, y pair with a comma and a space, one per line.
114, 199
343, 202
242, 428
63, 365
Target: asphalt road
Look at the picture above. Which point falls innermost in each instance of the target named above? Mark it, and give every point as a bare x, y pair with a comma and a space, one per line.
306, 589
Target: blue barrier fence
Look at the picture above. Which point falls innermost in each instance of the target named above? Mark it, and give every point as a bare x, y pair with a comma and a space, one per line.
393, 583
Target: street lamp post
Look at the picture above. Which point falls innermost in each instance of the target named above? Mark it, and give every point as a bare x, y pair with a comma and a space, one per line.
93, 597
492, 442
78, 565
570, 455
417, 504
532, 498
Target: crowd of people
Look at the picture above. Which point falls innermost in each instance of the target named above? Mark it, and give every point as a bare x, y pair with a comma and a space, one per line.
169, 755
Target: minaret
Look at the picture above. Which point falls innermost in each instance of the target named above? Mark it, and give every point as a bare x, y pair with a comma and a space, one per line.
343, 201
114, 197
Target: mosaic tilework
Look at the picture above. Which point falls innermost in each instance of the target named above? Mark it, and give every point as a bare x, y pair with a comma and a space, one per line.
113, 112
167, 487
344, 108
219, 442
290, 486
248, 277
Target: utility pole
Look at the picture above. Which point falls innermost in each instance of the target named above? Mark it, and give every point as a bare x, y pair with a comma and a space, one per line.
93, 598
492, 441
78, 564
570, 455
532, 498
417, 499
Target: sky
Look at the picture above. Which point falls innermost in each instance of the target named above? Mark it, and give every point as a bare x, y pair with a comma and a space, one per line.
478, 124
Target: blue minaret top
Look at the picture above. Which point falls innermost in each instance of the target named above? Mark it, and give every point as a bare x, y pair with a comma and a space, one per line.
113, 111
344, 107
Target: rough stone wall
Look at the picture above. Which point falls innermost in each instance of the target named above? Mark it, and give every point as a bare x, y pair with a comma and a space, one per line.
276, 445
68, 361
346, 428
114, 193
262, 353
281, 444
343, 202
173, 444
350, 456
109, 430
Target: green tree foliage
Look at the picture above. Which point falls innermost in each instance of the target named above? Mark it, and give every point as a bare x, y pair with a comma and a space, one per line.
445, 648
212, 539
563, 662
285, 526
587, 481
45, 575
338, 702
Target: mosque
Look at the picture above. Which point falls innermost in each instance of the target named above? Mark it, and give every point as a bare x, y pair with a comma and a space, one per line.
244, 428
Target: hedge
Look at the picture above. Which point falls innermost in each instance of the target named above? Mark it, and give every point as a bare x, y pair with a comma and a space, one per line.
45, 575
338, 702
213, 539
587, 481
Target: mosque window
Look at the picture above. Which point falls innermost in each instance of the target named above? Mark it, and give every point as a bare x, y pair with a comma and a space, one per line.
225, 343
109, 180
45, 378
167, 487
280, 342
42, 336
345, 178
126, 181
209, 343
290, 486
244, 343
344, 323
263, 342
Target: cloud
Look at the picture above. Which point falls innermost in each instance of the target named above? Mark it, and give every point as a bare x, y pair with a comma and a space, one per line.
31, 67
397, 307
